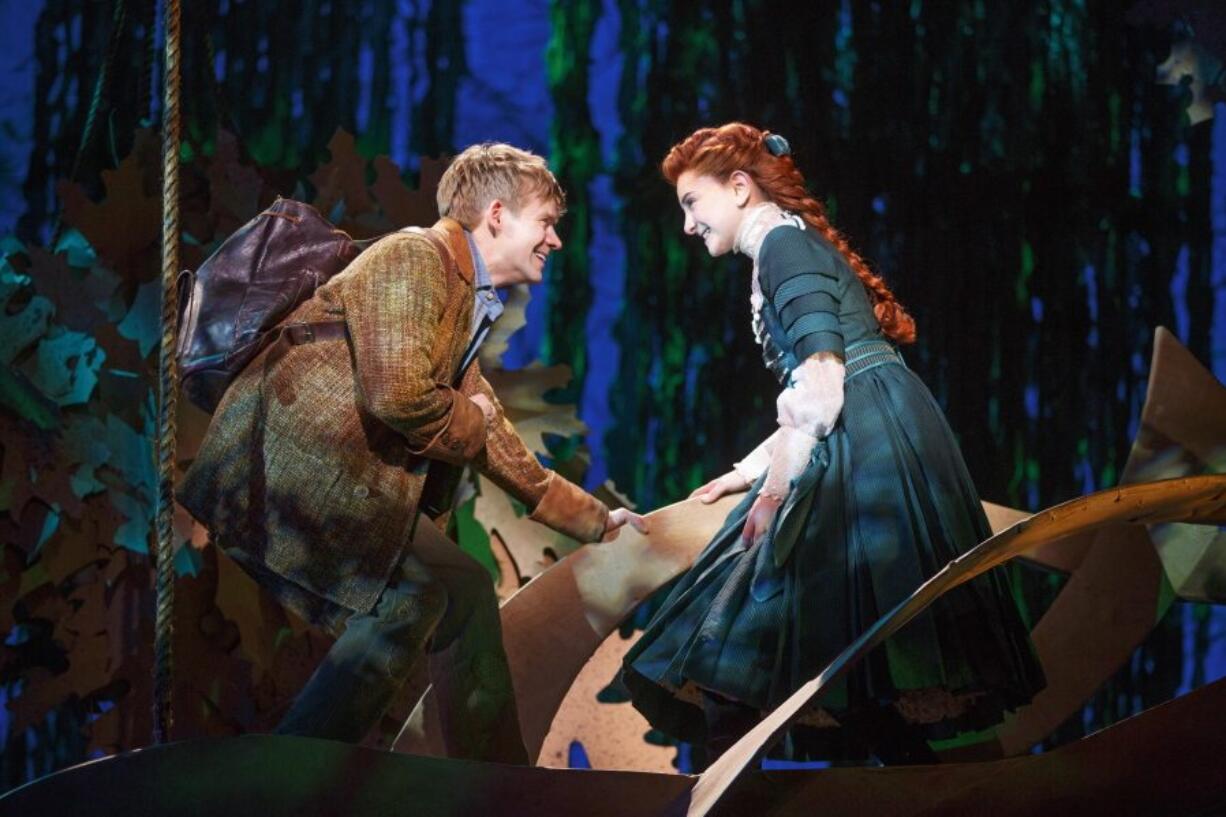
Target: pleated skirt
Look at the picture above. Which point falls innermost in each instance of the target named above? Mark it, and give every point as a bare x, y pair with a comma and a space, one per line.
885, 502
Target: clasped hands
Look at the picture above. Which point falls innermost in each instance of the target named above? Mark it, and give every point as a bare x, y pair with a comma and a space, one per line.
619, 517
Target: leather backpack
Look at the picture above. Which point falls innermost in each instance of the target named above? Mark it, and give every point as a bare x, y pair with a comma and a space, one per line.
234, 304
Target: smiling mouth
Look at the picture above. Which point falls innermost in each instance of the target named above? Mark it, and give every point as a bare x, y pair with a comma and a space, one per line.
706, 231
540, 255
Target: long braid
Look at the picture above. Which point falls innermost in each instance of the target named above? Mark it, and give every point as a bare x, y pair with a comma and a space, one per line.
718, 152
787, 189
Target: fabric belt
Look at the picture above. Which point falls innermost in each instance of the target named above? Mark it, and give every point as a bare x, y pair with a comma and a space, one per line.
869, 354
296, 334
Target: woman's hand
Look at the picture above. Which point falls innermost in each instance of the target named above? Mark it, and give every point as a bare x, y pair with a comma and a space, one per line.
487, 408
619, 517
760, 518
730, 483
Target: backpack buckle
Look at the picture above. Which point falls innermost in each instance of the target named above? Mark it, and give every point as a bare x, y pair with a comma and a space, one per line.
299, 333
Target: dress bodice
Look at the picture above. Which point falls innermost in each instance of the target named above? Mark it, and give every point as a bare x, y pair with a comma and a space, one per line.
805, 298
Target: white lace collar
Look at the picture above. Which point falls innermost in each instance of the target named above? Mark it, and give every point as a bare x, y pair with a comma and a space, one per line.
758, 221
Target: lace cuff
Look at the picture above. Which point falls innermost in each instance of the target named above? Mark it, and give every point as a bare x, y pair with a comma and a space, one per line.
789, 457
814, 400
808, 410
756, 461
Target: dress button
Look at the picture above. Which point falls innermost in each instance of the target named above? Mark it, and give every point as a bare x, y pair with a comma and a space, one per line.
361, 492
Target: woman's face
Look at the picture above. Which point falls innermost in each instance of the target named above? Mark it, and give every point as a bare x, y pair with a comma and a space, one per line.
713, 209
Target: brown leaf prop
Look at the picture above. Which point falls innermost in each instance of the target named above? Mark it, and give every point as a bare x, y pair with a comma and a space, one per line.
75, 545
342, 180
258, 618
10, 583
87, 644
234, 188
79, 295
123, 387
20, 450
53, 485
128, 220
402, 205
127, 575
212, 680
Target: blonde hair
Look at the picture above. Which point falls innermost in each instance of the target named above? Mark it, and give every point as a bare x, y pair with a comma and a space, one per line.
493, 170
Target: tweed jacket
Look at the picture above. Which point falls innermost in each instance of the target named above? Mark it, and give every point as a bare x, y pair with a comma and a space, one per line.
315, 459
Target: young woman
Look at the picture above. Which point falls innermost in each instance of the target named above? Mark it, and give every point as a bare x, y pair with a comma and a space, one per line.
858, 497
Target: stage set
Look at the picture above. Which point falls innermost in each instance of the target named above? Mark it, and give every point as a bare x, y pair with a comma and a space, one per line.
793, 408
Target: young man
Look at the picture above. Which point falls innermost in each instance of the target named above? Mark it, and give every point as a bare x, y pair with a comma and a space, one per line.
312, 470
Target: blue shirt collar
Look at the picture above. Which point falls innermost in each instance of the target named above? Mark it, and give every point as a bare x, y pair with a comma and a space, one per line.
481, 273
487, 306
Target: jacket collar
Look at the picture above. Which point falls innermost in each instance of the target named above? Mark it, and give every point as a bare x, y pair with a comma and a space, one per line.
453, 233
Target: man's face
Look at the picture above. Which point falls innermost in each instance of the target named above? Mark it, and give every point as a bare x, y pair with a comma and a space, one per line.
522, 242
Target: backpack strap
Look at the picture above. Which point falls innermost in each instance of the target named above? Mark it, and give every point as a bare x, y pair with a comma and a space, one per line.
440, 245
296, 334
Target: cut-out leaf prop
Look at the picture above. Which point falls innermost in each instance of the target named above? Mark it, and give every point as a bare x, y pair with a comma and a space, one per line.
128, 221
340, 183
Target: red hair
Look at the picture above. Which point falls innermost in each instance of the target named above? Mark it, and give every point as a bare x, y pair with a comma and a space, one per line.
717, 152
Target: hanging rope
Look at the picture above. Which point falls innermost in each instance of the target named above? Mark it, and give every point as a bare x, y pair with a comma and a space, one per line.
168, 377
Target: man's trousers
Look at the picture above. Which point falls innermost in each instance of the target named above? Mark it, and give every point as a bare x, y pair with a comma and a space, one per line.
441, 600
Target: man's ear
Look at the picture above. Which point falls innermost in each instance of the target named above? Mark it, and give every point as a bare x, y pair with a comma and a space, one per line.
742, 187
493, 216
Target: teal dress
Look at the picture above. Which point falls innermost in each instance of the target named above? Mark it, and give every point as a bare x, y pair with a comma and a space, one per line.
885, 502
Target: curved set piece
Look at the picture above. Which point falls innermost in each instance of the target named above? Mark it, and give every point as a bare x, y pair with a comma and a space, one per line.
1164, 760
554, 624
1123, 578
1161, 760
1192, 499
1119, 575
1128, 554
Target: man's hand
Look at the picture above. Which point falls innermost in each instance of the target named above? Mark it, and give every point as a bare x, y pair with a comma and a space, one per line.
620, 517
760, 518
730, 483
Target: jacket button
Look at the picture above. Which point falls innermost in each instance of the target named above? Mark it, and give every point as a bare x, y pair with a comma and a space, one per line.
361, 492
